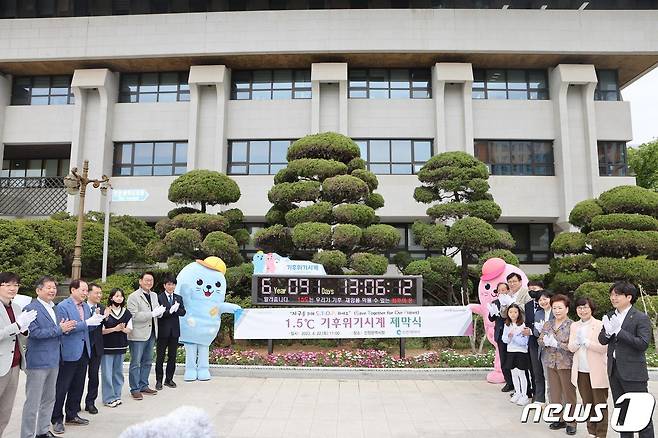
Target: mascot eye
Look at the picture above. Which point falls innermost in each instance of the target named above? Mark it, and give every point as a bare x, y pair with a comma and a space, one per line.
218, 284
487, 286
199, 282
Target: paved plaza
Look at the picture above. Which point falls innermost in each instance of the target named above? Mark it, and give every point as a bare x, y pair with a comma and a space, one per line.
333, 407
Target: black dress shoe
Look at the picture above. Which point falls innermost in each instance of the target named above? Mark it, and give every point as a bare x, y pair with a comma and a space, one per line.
91, 409
46, 435
158, 386
58, 428
77, 421
571, 430
170, 384
507, 388
557, 425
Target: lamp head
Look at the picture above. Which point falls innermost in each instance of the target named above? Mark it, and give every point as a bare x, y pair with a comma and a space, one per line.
72, 184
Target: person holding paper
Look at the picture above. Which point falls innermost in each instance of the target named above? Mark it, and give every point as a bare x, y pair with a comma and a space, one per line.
13, 325
558, 359
76, 351
517, 361
96, 339
541, 316
144, 307
115, 344
626, 331
168, 333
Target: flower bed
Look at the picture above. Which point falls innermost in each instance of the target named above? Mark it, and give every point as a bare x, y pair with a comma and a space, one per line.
351, 358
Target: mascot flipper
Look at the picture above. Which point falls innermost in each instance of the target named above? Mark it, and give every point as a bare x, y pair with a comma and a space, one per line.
202, 284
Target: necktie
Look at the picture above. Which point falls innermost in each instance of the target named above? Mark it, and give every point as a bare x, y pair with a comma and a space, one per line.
171, 298
93, 309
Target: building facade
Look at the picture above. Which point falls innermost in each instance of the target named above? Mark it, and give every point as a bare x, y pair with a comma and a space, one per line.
534, 93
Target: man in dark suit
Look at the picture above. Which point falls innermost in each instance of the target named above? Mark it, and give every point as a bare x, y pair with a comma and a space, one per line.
168, 333
96, 340
626, 331
76, 351
536, 385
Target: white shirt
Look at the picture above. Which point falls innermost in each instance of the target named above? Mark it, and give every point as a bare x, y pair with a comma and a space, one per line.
49, 308
583, 365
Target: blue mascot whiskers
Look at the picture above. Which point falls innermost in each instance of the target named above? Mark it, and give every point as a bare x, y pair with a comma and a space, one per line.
203, 287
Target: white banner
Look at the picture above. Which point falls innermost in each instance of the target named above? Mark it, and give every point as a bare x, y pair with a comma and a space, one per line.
354, 322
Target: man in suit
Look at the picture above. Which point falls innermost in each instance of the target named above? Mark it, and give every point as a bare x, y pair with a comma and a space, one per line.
76, 351
96, 339
42, 357
144, 307
626, 331
12, 322
168, 333
537, 388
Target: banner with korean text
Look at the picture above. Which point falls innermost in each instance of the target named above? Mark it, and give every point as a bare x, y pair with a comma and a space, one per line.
353, 322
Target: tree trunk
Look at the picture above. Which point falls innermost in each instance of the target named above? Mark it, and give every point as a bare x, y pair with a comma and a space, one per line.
203, 207
471, 339
464, 273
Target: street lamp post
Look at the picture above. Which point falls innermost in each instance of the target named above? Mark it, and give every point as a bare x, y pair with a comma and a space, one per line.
77, 184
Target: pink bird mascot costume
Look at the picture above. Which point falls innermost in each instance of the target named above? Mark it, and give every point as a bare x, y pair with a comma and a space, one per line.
494, 271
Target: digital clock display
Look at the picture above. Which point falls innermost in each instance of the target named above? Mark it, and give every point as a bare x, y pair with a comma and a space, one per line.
336, 290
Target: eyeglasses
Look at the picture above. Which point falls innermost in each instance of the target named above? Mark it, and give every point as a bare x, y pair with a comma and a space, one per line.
11, 285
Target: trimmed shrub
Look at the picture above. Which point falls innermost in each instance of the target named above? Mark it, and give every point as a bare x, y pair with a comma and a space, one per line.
369, 264
575, 263
455, 166
203, 222
234, 216
314, 168
241, 236
205, 187
443, 264
238, 279
346, 237
569, 281
599, 293
569, 243
312, 235
319, 212
327, 145
182, 240
128, 283
625, 221
506, 240
624, 243
275, 215
276, 238
163, 226
223, 246
176, 263
630, 199
356, 163
402, 259
333, 261
472, 233
367, 177
504, 254
181, 210
426, 195
449, 210
286, 193
583, 212
485, 210
636, 269
156, 250
356, 214
375, 201
380, 237
434, 236
344, 188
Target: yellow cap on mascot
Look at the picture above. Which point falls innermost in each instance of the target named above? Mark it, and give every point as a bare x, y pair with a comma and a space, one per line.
214, 263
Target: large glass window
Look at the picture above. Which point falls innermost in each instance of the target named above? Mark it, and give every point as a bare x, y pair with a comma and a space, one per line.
381, 83
533, 241
150, 158
154, 87
612, 158
270, 84
516, 157
510, 84
607, 87
42, 90
35, 168
395, 156
257, 157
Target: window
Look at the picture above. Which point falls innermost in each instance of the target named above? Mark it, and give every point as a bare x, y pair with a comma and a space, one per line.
612, 158
158, 158
257, 157
42, 90
380, 83
35, 168
249, 249
154, 87
533, 241
510, 84
607, 88
395, 156
270, 84
516, 157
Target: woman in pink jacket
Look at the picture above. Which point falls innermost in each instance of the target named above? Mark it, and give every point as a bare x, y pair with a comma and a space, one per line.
589, 372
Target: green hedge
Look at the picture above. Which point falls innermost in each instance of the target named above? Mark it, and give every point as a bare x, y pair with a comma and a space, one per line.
569, 281
183, 240
624, 243
583, 213
300, 191
380, 238
223, 246
569, 243
625, 221
597, 292
356, 214
312, 236
157, 250
575, 263
638, 270
327, 145
630, 199
318, 212
369, 264
333, 261
346, 237
126, 282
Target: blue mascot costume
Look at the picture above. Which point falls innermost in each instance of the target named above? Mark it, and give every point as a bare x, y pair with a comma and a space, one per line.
203, 287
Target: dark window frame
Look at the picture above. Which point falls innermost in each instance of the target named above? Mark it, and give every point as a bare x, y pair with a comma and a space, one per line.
523, 249
62, 168
247, 251
369, 77
494, 168
118, 165
182, 87
247, 163
485, 89
599, 94
297, 92
70, 98
615, 168
413, 163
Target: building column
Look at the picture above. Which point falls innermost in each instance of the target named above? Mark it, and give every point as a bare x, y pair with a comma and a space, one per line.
207, 146
575, 151
452, 85
5, 100
326, 102
96, 91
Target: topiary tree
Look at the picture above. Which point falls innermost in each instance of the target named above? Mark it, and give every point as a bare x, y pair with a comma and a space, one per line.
617, 240
137, 230
188, 233
462, 215
323, 208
